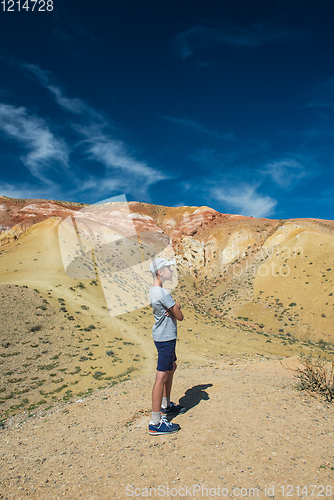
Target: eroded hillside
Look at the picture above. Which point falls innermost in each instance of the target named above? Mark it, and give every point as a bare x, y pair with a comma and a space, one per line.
248, 287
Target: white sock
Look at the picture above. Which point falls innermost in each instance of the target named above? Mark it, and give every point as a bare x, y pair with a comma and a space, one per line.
165, 402
155, 418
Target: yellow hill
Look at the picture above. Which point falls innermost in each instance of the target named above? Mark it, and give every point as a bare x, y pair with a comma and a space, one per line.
248, 288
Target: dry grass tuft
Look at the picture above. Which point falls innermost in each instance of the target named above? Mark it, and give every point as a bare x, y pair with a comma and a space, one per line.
317, 375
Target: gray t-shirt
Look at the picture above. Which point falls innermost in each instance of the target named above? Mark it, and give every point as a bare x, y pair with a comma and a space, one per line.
165, 326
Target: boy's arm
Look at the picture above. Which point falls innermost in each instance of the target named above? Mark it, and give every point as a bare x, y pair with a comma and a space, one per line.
175, 310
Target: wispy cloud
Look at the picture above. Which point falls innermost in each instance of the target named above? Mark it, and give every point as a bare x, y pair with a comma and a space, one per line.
113, 154
119, 161
245, 199
72, 104
198, 127
200, 37
45, 149
98, 142
286, 172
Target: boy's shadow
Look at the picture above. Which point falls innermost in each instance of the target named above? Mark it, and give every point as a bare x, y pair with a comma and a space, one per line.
194, 396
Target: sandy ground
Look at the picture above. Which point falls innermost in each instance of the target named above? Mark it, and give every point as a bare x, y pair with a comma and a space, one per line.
246, 426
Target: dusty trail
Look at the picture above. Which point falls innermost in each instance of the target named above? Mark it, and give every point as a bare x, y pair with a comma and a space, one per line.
246, 427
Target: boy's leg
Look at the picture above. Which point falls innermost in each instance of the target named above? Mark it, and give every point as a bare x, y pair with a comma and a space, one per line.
164, 380
168, 385
168, 408
159, 423
158, 389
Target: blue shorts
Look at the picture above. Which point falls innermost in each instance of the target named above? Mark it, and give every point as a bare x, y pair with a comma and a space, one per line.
166, 355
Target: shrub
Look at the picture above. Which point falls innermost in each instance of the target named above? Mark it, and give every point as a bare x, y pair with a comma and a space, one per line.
36, 328
89, 328
317, 375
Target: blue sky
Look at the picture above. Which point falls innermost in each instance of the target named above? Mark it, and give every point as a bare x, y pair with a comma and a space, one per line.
225, 104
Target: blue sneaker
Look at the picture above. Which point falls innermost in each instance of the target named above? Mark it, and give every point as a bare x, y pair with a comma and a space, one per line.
163, 427
173, 409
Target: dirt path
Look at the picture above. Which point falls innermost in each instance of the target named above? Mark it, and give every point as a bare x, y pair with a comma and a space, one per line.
246, 427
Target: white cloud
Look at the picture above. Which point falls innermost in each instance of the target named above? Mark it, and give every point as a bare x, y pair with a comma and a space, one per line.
285, 173
122, 169
113, 154
245, 199
72, 104
45, 150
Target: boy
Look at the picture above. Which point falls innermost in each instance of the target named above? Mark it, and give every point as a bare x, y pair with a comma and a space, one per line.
164, 332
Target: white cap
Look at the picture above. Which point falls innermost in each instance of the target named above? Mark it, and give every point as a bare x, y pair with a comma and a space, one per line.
159, 262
